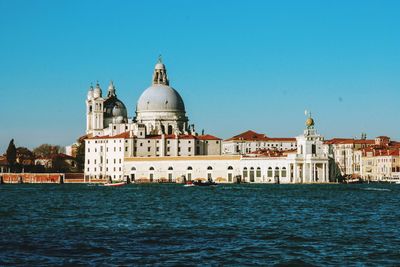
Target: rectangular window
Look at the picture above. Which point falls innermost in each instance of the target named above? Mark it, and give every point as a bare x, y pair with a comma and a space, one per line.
148, 149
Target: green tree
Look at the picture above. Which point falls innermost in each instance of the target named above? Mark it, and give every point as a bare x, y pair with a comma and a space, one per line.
80, 156
59, 164
46, 150
11, 155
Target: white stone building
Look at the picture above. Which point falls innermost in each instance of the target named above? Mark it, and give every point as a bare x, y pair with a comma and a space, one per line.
307, 164
159, 129
250, 141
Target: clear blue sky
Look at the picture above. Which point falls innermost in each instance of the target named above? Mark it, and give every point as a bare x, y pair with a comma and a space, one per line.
238, 65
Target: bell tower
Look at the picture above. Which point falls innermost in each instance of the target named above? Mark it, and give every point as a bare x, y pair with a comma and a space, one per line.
94, 110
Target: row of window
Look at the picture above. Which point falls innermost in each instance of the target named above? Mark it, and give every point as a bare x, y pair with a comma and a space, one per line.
101, 169
101, 161
101, 149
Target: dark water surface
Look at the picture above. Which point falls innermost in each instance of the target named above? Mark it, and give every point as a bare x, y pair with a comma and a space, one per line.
167, 225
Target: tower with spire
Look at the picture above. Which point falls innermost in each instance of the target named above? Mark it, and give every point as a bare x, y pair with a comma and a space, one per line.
94, 110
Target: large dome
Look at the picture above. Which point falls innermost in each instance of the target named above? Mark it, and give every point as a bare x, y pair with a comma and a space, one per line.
160, 97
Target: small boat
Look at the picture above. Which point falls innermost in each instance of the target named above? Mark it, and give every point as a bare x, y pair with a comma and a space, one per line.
190, 183
204, 183
115, 184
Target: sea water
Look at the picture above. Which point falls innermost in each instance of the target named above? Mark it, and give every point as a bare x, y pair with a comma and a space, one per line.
169, 224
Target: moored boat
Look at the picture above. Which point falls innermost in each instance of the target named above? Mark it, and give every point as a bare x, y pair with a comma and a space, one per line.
115, 184
204, 183
189, 183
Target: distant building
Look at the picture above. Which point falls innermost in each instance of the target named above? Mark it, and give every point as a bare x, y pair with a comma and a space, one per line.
342, 151
250, 141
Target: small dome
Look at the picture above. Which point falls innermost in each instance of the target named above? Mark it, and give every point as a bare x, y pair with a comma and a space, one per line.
114, 111
309, 122
90, 94
97, 91
160, 97
159, 66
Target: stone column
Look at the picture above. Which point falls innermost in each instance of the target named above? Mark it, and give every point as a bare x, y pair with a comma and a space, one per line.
294, 171
162, 145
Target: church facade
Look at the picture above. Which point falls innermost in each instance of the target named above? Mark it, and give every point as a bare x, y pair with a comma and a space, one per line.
159, 145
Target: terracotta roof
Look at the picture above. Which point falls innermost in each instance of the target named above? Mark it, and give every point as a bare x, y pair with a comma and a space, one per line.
121, 135
382, 151
253, 136
335, 141
207, 137
3, 161
248, 136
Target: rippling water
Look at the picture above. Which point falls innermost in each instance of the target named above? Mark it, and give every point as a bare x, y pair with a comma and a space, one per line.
176, 225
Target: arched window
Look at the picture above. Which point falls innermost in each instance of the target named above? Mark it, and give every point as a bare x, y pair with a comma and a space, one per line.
269, 173
244, 172
251, 174
230, 168
133, 169
170, 168
276, 172
189, 173
151, 176
209, 168
284, 172
169, 129
258, 172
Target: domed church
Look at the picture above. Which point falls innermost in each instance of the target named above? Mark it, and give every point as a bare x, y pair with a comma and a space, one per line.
160, 115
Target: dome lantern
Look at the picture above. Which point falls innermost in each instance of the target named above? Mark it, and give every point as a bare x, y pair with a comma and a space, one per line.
160, 73
111, 90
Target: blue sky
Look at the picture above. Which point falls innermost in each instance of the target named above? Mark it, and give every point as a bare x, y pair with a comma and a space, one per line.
238, 65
